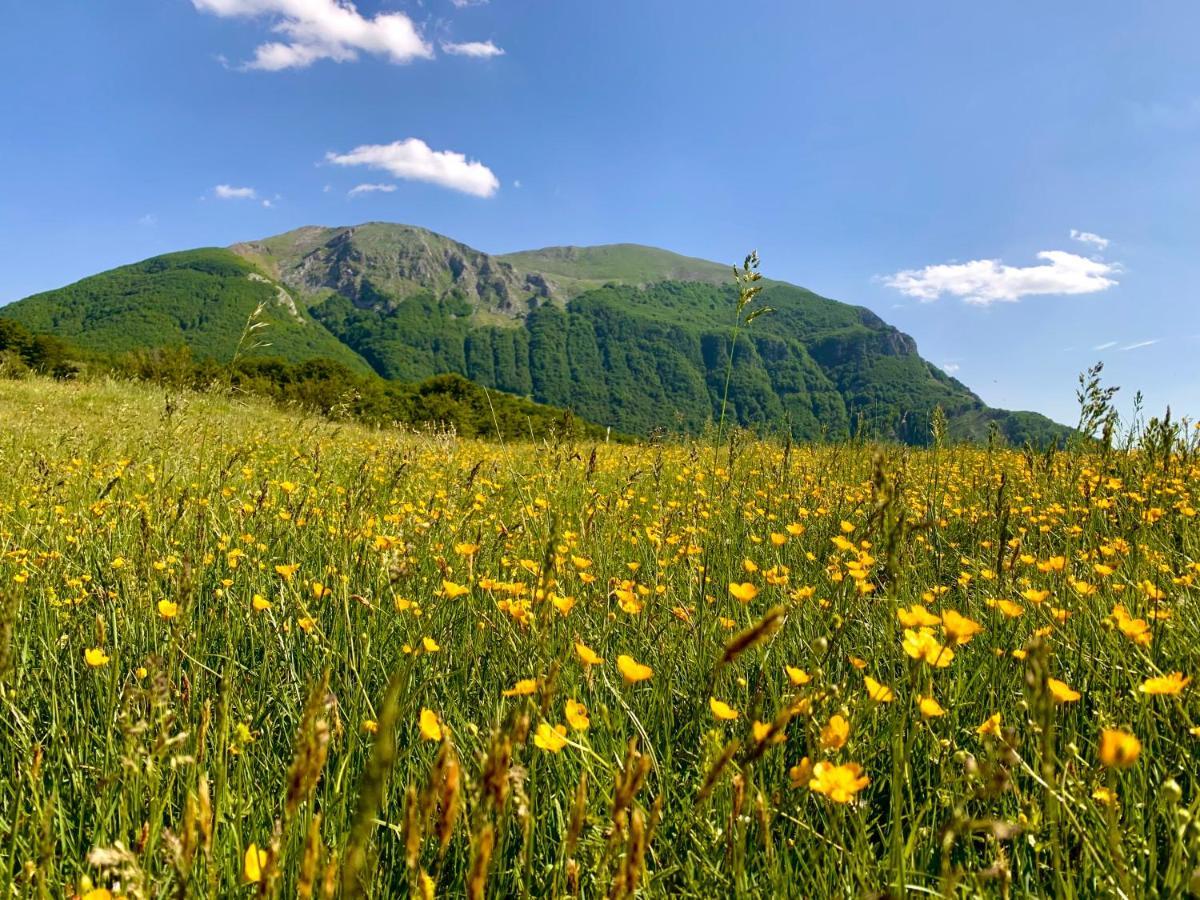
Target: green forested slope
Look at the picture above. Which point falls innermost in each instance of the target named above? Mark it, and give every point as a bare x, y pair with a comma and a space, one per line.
199, 298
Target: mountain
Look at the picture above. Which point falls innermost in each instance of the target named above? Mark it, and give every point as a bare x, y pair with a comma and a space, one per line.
629, 336
199, 298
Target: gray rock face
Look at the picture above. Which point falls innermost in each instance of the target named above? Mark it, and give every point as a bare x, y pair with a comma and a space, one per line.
377, 266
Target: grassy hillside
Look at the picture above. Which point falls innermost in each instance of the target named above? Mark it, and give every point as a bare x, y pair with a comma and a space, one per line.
201, 299
243, 651
576, 269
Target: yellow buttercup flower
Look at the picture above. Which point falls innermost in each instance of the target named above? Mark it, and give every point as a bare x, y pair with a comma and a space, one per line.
253, 864
930, 708
431, 727
991, 726
522, 688
880, 693
1165, 685
587, 655
835, 733
550, 738
168, 609
1061, 691
95, 657
451, 590
797, 677
1118, 749
577, 715
722, 710
745, 591
838, 783
632, 670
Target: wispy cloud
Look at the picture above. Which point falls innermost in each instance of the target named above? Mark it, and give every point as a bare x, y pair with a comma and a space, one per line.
361, 189
1107, 345
950, 367
228, 192
985, 281
1140, 344
149, 220
476, 49
413, 159
323, 29
1088, 237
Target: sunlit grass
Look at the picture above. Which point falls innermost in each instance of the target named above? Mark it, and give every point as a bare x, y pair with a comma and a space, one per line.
244, 651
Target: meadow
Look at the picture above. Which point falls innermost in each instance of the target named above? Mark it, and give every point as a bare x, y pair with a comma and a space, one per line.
251, 652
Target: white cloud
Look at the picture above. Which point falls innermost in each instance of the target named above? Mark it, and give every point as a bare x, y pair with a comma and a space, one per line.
950, 368
371, 188
1140, 344
227, 192
323, 29
986, 281
1088, 237
149, 220
477, 49
414, 160
1107, 345
462, 4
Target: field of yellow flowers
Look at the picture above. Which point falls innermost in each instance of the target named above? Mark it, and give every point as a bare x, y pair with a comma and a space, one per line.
246, 653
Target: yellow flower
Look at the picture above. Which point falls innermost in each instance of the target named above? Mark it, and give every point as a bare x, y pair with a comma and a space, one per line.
632, 670
167, 609
917, 616
958, 628
253, 864
801, 773
95, 657
577, 715
430, 645
587, 655
1104, 795
745, 592
846, 527
835, 733
991, 727
370, 726
466, 549
838, 783
287, 571
923, 645
1061, 691
930, 708
1053, 564
1165, 685
722, 710
551, 739
522, 688
1034, 596
760, 730
260, 603
796, 676
97, 894
1118, 748
431, 728
1008, 607
452, 590
880, 693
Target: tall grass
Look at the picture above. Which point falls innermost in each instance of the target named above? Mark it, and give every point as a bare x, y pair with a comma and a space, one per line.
313, 640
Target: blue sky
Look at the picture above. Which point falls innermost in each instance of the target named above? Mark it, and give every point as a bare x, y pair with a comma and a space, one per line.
913, 158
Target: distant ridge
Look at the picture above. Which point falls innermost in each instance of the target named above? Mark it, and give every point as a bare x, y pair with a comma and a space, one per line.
625, 335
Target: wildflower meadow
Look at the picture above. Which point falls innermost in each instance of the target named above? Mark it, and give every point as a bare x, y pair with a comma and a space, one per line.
252, 652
